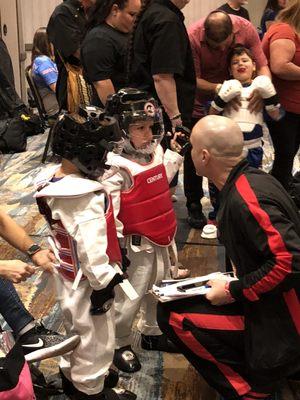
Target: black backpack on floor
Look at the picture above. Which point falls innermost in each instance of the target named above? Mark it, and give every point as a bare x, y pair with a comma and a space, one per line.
16, 122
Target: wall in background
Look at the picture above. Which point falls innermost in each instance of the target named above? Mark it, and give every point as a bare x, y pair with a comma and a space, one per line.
256, 8
36, 13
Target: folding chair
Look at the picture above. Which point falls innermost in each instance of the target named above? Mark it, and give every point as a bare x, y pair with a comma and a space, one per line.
48, 120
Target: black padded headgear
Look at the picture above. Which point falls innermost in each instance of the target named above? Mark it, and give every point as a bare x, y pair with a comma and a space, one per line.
132, 105
85, 141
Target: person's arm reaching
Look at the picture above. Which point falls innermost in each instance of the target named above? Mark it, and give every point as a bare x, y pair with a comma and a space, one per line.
18, 238
15, 270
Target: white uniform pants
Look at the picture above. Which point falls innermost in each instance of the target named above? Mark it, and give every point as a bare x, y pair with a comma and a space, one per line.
87, 365
147, 268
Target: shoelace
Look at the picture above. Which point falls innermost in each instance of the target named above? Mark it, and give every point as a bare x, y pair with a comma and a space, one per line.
40, 329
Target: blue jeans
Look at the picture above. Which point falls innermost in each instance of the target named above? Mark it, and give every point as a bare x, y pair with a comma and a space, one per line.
11, 307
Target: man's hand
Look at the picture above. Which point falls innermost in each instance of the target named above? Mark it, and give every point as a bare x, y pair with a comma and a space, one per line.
234, 104
256, 103
218, 294
15, 270
44, 259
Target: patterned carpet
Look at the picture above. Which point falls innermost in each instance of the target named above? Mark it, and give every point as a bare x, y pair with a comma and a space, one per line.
163, 376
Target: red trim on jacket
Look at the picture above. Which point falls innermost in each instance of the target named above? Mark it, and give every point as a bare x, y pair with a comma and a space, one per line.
283, 259
237, 382
219, 322
256, 395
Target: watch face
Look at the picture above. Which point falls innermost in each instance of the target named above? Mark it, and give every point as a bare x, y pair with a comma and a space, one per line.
33, 249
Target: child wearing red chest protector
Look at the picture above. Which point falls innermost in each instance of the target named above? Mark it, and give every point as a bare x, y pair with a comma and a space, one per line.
146, 222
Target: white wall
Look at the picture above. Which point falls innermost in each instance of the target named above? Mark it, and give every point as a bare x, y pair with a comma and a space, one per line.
36, 13
197, 9
256, 8
9, 30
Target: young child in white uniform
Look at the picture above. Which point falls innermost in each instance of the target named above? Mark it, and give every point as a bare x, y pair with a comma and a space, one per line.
146, 222
81, 221
242, 68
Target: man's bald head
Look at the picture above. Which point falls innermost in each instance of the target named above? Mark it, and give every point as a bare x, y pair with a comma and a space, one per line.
217, 145
218, 26
221, 136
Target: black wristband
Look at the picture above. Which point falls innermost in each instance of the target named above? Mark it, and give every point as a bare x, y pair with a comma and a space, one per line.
272, 101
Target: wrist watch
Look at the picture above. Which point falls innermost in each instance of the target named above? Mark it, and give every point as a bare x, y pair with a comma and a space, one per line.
33, 249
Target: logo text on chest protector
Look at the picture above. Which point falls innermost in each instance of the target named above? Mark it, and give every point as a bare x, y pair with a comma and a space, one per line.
154, 178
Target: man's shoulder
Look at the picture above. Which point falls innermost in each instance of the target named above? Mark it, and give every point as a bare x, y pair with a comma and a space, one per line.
68, 7
197, 29
263, 185
240, 22
159, 13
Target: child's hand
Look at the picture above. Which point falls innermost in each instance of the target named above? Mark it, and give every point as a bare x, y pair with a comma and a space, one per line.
175, 146
180, 142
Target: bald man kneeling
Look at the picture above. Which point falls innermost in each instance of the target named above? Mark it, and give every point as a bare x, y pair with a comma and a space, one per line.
244, 337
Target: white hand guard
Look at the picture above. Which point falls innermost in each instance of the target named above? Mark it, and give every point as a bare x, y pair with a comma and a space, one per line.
264, 85
266, 89
229, 90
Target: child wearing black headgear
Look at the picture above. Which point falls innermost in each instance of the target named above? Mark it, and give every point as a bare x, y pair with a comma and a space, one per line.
80, 217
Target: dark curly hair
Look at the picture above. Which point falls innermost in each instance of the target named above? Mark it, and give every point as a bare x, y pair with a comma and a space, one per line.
101, 10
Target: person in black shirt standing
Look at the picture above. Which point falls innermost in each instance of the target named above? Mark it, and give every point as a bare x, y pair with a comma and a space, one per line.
160, 62
235, 8
104, 48
66, 29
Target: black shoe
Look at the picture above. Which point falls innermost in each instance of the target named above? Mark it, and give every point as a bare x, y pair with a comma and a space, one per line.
107, 394
196, 218
112, 379
159, 343
126, 360
122, 394
40, 343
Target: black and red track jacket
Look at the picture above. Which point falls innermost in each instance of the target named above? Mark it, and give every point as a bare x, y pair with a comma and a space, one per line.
259, 226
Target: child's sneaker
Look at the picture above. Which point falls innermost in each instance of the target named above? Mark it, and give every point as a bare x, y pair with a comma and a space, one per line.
40, 343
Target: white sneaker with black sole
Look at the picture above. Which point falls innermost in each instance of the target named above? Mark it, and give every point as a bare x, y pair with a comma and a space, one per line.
40, 343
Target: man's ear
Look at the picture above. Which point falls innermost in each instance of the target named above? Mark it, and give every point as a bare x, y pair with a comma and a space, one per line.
114, 9
205, 157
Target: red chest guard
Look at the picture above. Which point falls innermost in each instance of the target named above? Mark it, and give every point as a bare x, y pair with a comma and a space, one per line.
146, 208
67, 247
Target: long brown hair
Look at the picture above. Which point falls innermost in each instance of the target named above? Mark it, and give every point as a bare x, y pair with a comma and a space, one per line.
291, 15
41, 45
